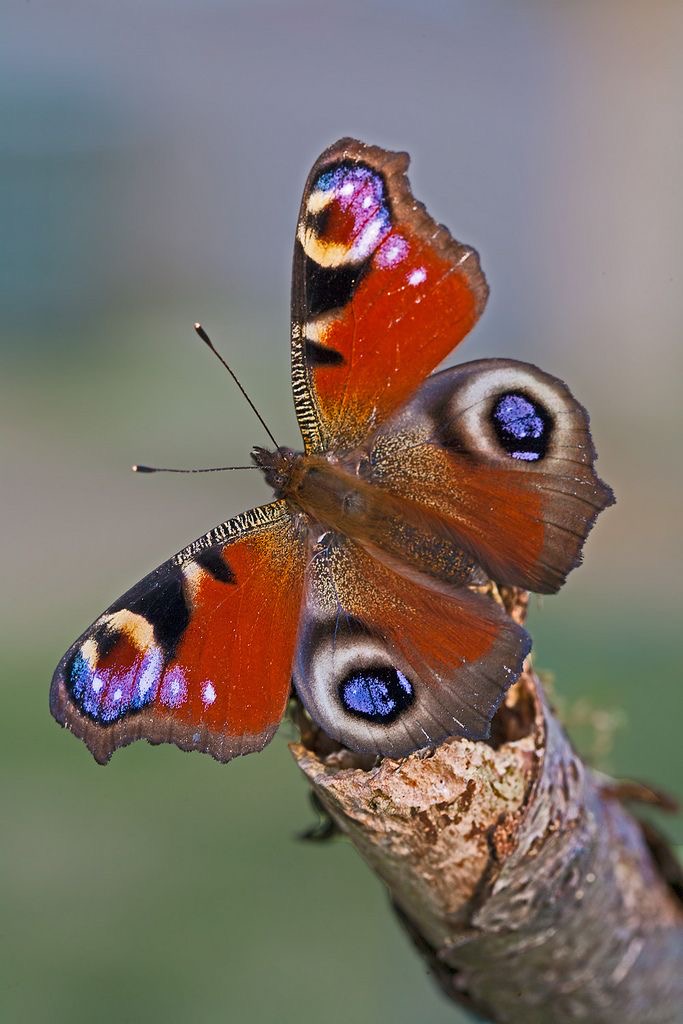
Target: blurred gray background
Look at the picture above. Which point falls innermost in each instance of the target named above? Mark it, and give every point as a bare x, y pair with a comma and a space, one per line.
152, 157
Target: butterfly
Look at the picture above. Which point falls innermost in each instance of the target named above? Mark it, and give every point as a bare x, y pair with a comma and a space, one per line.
360, 586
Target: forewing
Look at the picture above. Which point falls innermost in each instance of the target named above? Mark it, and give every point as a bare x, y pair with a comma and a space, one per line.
380, 294
501, 454
199, 653
386, 665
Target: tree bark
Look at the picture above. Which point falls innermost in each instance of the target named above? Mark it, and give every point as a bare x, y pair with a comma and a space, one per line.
531, 892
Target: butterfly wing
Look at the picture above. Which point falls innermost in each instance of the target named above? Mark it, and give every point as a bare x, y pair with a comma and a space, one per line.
386, 665
199, 653
380, 294
499, 454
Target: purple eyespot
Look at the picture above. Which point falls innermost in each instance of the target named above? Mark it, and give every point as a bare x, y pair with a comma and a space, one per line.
108, 694
522, 426
378, 694
173, 690
360, 191
392, 252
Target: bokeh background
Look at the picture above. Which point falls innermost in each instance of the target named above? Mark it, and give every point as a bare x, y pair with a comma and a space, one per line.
152, 157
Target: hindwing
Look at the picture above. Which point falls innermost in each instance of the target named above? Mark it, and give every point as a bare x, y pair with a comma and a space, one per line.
387, 665
499, 455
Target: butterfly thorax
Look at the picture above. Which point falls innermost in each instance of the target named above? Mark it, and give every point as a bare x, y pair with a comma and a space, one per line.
333, 492
315, 484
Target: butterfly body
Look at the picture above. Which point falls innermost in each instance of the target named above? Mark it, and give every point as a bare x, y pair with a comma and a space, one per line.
358, 583
331, 494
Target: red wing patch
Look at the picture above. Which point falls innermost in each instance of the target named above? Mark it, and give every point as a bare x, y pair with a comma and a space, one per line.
199, 653
380, 295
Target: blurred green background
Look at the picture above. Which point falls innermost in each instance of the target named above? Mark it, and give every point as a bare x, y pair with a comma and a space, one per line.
151, 162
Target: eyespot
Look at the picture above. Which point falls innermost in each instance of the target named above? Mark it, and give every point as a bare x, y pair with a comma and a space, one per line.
376, 694
347, 216
522, 426
500, 410
358, 687
107, 691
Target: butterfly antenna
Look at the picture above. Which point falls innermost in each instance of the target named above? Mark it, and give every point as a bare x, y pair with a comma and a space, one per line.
137, 468
207, 341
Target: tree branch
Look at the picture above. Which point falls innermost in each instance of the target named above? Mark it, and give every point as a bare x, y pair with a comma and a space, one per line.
531, 892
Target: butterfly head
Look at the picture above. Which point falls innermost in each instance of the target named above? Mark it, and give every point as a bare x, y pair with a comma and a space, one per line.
278, 467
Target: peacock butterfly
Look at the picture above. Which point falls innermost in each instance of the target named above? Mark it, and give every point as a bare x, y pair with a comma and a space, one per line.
357, 584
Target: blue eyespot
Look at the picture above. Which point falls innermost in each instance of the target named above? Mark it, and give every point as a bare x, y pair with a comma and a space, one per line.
378, 694
107, 694
522, 426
